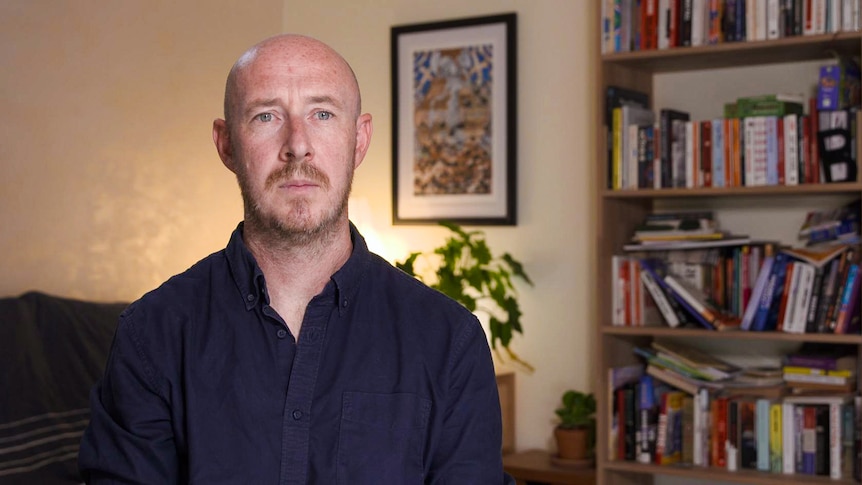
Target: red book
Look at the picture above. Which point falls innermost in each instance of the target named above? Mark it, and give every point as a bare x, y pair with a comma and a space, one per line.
812, 171
745, 277
673, 23
649, 24
718, 436
804, 149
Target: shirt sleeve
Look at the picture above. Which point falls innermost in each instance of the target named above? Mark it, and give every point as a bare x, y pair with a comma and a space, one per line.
470, 451
129, 438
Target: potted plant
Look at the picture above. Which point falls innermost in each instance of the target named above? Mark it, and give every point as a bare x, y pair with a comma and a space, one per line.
576, 431
467, 271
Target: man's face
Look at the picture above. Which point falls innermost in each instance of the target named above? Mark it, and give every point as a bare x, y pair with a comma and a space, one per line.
294, 140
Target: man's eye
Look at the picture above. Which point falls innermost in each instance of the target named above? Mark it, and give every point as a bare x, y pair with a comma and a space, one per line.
323, 115
265, 117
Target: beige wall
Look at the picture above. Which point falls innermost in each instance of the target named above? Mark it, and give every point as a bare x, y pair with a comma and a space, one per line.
556, 104
110, 184
108, 177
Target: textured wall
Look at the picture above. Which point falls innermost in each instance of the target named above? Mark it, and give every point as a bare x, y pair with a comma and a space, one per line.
109, 181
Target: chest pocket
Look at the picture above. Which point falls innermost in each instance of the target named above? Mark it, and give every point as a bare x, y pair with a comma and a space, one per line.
381, 438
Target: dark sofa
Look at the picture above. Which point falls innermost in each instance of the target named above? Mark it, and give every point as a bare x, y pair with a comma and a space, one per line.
52, 351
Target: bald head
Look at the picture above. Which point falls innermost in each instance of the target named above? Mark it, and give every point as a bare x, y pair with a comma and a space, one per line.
293, 52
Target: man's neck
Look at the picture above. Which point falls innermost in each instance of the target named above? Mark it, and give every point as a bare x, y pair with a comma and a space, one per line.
296, 273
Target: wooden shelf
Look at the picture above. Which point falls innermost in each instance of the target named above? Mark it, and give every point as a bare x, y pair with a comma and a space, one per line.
739, 54
767, 191
719, 474
730, 335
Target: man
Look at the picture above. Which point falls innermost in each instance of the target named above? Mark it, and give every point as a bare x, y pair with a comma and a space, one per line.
295, 356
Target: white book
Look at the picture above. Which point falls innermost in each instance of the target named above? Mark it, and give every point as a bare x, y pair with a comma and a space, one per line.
749, 127
788, 434
833, 22
847, 15
791, 150
661, 300
773, 19
760, 24
631, 157
701, 428
803, 299
617, 307
789, 305
689, 155
751, 19
820, 10
663, 12
699, 19
761, 162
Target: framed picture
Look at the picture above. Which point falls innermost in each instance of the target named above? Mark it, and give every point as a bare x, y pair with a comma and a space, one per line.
454, 138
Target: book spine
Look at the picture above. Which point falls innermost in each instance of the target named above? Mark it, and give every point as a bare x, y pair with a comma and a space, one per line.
761, 421
775, 437
834, 434
791, 150
809, 439
849, 298
788, 434
660, 299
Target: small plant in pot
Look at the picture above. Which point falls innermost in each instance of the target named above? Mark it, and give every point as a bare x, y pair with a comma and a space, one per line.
576, 431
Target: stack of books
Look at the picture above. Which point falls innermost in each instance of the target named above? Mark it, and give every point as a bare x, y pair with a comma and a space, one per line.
815, 370
830, 226
680, 230
686, 368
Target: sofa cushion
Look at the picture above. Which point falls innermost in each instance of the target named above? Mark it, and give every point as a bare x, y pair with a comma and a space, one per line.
52, 351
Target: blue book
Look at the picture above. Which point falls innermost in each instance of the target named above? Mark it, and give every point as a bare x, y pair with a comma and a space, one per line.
757, 292
718, 153
761, 422
766, 316
772, 150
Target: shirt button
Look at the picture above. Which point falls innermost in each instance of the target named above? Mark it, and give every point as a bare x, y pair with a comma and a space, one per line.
344, 303
249, 297
281, 333
297, 414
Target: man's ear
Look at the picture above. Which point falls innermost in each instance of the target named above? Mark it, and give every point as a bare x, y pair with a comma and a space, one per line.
221, 138
364, 129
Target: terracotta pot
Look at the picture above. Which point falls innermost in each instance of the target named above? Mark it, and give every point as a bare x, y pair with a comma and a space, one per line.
572, 444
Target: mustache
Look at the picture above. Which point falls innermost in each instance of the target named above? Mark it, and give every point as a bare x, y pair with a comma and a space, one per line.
294, 170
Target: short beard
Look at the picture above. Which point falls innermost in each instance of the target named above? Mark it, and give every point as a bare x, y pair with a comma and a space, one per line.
298, 228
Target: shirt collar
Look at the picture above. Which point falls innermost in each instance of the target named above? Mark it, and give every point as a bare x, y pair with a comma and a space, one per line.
250, 282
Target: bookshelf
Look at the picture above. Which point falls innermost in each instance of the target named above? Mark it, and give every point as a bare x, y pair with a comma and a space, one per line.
673, 78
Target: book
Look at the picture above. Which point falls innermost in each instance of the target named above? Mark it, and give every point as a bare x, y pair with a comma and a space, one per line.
709, 364
618, 379
849, 301
726, 241
821, 357
616, 97
762, 430
632, 117
775, 437
670, 146
760, 287
675, 379
710, 316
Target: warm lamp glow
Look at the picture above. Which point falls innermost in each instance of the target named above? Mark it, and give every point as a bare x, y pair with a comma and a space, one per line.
363, 218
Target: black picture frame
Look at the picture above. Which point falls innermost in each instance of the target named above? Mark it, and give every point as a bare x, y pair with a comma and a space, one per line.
454, 112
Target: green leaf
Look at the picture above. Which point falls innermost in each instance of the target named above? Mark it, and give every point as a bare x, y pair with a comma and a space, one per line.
517, 268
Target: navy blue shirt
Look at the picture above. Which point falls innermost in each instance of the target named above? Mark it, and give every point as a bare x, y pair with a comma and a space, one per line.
389, 382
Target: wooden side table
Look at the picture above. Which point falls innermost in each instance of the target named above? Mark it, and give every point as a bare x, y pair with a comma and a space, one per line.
535, 466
